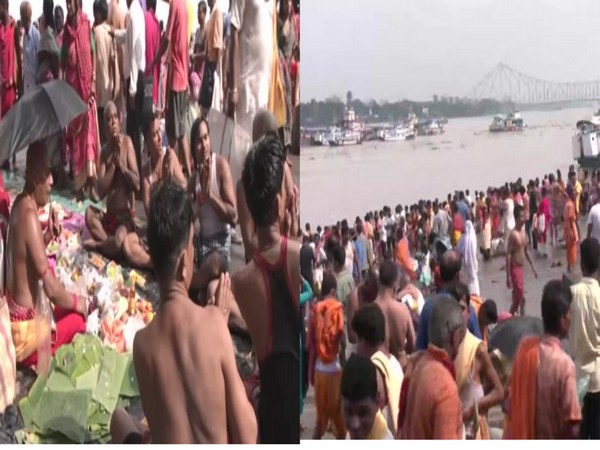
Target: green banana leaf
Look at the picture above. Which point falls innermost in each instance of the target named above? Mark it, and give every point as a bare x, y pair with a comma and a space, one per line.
66, 413
86, 382
129, 388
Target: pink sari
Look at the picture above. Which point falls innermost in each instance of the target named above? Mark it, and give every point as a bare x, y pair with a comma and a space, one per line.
82, 133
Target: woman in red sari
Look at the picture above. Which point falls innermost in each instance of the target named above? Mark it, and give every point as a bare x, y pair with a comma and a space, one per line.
78, 67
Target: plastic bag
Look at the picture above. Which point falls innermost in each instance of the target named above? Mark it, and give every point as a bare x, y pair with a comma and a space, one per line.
583, 384
43, 324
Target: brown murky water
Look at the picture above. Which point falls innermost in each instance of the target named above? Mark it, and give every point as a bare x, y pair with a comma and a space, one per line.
344, 182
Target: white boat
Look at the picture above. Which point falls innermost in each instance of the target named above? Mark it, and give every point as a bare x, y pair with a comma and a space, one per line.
399, 133
350, 132
585, 144
510, 122
345, 137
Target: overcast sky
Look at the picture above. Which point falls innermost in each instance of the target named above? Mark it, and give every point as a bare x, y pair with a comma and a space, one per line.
394, 49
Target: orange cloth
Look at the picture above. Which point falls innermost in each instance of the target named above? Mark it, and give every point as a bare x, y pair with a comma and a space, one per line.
571, 235
523, 388
328, 402
403, 258
329, 318
557, 404
432, 406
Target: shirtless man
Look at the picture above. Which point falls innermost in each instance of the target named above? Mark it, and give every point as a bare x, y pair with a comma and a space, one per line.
362, 295
27, 264
118, 181
190, 388
401, 337
267, 291
160, 166
264, 124
212, 187
516, 252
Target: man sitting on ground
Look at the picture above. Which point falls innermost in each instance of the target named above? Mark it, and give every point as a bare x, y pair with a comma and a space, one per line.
160, 166
118, 181
27, 264
185, 343
212, 187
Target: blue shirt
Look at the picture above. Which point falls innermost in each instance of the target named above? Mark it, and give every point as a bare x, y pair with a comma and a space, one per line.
423, 331
361, 251
463, 209
31, 44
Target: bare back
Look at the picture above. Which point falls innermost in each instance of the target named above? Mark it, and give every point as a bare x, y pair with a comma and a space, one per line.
179, 359
23, 239
400, 334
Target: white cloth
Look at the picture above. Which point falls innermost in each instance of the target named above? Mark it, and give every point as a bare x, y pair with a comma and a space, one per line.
254, 21
134, 37
594, 221
509, 215
469, 257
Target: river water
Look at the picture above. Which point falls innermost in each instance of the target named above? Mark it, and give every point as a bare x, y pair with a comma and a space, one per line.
343, 182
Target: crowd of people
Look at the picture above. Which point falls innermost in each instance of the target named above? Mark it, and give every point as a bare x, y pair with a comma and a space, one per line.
397, 329
132, 74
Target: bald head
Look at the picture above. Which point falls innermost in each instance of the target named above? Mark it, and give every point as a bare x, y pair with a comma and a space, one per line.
26, 14
373, 275
36, 160
263, 124
108, 109
450, 266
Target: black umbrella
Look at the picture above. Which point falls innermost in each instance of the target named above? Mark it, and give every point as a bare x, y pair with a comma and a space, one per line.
507, 335
43, 111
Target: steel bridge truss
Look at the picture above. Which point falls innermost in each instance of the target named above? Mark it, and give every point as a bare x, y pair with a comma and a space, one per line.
503, 83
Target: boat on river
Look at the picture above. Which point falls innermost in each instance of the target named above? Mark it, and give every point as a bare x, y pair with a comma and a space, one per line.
510, 122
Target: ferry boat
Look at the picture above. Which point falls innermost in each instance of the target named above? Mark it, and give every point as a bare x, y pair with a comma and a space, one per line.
350, 131
399, 133
430, 127
510, 122
585, 143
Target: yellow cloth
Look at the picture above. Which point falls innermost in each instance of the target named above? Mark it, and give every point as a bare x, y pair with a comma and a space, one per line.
393, 384
191, 16
456, 235
8, 366
24, 338
380, 430
578, 191
465, 358
276, 89
584, 333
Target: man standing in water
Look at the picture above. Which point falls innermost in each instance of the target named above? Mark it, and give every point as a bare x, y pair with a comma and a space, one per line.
516, 252
185, 343
268, 290
118, 181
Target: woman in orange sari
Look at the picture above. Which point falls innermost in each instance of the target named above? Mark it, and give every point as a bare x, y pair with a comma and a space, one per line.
78, 67
570, 223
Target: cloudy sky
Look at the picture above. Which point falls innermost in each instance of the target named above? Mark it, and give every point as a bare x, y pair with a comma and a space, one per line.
394, 49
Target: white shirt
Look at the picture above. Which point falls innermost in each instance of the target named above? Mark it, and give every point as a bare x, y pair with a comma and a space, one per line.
584, 335
594, 221
134, 37
254, 21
